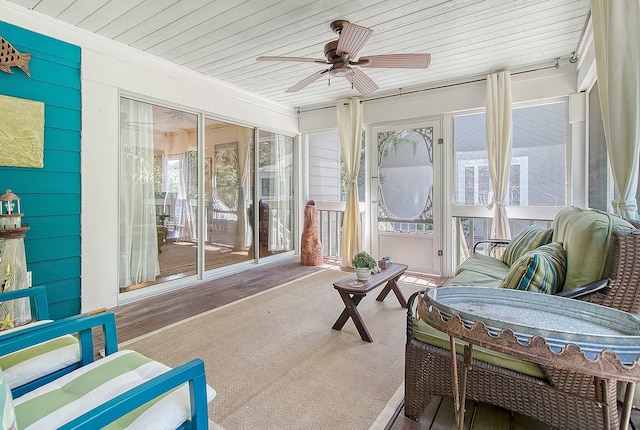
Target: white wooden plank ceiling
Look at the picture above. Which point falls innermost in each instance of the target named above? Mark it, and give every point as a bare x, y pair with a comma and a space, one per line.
223, 38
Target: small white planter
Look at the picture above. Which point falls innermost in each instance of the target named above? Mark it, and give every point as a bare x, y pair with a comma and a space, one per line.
363, 273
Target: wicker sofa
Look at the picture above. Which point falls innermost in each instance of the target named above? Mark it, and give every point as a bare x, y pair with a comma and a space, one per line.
562, 399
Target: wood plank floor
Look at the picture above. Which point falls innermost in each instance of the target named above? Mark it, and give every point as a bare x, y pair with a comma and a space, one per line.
140, 317
144, 316
440, 415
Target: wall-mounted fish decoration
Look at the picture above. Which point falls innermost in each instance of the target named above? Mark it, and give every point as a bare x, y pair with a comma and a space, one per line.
10, 57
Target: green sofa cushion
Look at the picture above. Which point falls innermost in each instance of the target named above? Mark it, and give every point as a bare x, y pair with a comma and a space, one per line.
471, 278
541, 270
480, 270
586, 236
427, 334
487, 265
527, 240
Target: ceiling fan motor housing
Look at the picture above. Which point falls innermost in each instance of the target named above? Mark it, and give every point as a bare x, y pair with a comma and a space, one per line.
330, 51
340, 63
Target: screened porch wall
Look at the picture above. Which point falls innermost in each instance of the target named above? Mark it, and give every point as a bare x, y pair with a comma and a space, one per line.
443, 103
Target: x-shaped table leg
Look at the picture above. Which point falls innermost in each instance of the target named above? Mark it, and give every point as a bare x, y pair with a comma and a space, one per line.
351, 311
392, 285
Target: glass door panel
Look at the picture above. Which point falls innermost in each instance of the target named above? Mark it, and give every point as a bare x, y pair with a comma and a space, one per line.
276, 213
158, 194
228, 185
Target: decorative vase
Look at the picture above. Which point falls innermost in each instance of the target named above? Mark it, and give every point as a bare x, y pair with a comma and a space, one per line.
311, 247
363, 273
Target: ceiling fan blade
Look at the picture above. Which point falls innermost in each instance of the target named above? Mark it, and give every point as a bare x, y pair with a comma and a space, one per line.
361, 82
352, 39
396, 61
306, 81
296, 59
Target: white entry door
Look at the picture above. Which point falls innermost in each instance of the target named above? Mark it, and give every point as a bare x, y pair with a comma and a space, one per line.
406, 220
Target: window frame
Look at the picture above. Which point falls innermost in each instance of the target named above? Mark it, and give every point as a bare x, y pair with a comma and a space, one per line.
514, 212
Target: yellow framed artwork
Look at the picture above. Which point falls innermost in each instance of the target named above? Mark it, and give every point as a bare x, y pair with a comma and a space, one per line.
21, 132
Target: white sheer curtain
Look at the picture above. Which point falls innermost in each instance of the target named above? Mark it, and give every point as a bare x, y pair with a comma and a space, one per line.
187, 217
243, 233
350, 134
280, 209
616, 36
463, 251
499, 143
138, 232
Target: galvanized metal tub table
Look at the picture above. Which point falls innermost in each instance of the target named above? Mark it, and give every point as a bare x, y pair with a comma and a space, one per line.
544, 329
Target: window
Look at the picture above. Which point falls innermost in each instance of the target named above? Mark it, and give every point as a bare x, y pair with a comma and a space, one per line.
598, 157
538, 164
327, 176
476, 183
405, 180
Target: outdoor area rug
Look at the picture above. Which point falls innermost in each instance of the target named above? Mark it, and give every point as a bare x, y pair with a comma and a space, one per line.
276, 363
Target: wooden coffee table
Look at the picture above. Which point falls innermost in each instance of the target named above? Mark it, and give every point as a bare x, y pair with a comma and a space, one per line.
353, 291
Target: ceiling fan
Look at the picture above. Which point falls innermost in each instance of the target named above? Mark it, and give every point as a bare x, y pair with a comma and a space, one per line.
342, 55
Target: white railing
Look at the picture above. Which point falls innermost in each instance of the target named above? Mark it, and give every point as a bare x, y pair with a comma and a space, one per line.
330, 219
467, 230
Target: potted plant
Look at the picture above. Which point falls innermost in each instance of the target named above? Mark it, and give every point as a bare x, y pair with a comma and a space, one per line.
363, 263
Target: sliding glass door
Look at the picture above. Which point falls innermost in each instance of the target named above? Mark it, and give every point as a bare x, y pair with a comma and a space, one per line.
161, 189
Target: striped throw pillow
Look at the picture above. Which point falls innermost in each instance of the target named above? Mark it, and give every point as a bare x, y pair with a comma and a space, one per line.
528, 239
542, 270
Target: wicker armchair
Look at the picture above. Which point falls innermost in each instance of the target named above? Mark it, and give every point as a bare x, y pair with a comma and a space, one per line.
565, 400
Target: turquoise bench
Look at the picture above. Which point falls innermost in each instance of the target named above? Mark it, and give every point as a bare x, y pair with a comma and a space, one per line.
123, 390
34, 366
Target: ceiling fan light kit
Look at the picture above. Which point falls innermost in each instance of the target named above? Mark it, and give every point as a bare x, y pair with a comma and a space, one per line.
342, 56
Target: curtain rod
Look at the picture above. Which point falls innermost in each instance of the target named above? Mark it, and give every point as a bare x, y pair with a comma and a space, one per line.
574, 55
471, 81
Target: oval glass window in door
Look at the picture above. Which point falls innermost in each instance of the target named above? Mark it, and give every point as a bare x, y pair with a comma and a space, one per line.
405, 179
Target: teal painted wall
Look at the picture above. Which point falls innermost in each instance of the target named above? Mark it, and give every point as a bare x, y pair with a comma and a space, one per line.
50, 197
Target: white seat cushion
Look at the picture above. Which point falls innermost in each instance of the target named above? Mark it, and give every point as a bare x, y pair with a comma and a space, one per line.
74, 394
39, 360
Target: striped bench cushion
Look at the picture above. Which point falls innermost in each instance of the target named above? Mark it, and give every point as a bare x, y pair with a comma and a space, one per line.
39, 360
74, 394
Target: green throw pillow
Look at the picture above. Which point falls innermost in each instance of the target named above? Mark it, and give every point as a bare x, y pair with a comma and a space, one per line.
528, 239
542, 270
7, 413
